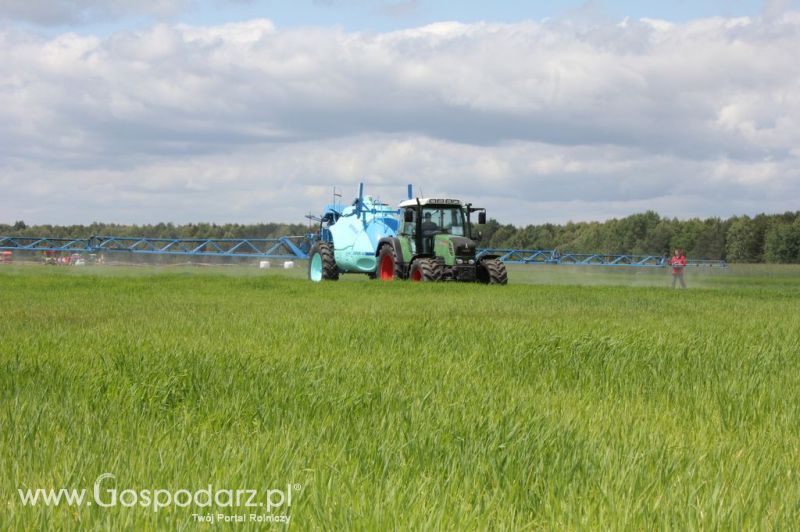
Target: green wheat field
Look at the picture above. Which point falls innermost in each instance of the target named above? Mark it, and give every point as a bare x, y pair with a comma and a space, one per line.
573, 398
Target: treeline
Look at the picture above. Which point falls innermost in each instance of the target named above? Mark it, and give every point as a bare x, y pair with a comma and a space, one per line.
763, 238
161, 230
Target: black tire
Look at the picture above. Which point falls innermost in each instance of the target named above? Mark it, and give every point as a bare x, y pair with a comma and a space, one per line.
329, 270
388, 267
425, 270
492, 271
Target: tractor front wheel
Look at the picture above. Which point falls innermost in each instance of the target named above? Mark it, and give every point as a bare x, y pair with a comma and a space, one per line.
388, 268
322, 263
492, 271
425, 270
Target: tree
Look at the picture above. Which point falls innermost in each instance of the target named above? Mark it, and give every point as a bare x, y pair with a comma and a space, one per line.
710, 241
503, 236
782, 242
743, 242
634, 231
687, 233
590, 239
658, 239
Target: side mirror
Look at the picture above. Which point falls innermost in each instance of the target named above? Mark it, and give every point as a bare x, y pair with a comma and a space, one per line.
408, 216
482, 218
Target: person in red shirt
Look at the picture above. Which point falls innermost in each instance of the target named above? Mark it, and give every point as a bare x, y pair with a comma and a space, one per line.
678, 263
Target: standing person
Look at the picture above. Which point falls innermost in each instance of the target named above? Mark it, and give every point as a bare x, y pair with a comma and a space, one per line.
678, 263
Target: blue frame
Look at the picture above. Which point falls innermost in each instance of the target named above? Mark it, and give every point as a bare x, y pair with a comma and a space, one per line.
297, 247
551, 256
288, 247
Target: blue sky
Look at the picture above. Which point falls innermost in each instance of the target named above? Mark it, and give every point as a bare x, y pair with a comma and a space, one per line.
142, 111
381, 16
355, 15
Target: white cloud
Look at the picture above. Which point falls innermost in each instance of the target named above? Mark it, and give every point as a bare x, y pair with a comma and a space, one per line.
540, 121
775, 8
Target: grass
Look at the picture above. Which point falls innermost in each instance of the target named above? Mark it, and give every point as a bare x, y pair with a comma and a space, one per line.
571, 399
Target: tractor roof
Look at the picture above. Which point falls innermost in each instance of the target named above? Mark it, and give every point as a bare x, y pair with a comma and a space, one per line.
431, 201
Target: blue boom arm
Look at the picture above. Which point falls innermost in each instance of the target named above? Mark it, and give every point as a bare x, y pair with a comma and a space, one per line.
297, 247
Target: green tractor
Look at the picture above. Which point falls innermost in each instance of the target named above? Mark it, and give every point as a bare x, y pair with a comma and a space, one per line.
435, 242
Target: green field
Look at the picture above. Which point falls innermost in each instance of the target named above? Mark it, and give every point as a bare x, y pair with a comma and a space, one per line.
570, 399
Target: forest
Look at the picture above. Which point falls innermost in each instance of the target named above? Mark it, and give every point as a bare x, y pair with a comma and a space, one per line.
773, 238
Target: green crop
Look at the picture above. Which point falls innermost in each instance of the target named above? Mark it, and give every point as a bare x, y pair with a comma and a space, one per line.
569, 399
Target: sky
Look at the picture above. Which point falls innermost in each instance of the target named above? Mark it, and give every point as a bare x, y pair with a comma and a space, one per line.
147, 111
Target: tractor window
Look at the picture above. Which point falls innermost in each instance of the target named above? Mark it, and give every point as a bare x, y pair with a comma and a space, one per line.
409, 228
449, 220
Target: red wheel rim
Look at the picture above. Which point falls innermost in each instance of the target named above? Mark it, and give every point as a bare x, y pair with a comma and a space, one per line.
387, 268
416, 275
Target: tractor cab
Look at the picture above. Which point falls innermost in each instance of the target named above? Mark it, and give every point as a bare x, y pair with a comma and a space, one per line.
427, 221
423, 220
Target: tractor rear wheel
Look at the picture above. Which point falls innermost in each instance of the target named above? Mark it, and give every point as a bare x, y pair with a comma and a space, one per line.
322, 263
492, 271
425, 270
388, 268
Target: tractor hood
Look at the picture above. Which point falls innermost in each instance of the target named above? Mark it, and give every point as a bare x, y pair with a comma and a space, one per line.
463, 247
449, 247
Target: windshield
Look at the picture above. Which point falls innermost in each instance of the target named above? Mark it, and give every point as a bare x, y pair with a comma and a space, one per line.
449, 220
